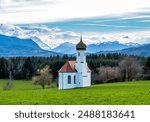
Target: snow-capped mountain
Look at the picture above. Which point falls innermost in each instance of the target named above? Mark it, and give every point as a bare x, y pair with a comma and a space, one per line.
65, 48
133, 44
41, 35
13, 46
40, 43
69, 48
54, 39
142, 50
108, 46
13, 31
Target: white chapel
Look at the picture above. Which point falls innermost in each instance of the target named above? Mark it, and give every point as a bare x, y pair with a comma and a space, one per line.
75, 74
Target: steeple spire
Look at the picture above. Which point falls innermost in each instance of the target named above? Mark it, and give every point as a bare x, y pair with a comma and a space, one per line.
81, 45
81, 37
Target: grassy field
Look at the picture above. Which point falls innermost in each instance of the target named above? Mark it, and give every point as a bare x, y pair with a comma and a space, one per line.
123, 93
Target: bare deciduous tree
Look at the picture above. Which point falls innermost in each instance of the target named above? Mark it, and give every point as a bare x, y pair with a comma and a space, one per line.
12, 69
108, 73
130, 69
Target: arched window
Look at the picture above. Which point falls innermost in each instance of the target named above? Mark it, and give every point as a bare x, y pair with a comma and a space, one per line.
69, 79
74, 79
78, 54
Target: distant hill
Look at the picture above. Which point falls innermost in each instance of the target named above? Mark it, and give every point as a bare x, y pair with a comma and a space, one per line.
69, 48
13, 46
65, 48
109, 46
143, 50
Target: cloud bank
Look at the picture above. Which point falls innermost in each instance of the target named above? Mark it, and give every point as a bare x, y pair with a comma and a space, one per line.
49, 38
37, 11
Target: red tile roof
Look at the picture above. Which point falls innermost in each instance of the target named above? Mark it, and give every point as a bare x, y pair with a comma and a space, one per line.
69, 66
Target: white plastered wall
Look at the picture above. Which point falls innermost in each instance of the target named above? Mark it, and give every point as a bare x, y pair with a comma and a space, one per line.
63, 80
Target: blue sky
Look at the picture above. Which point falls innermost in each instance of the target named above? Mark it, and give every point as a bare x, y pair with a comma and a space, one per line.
100, 20
113, 23
79, 15
126, 22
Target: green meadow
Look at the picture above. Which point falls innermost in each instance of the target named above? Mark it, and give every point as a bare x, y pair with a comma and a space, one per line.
121, 93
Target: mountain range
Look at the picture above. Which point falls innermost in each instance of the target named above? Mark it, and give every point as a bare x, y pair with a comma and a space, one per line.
143, 50
69, 48
65, 48
13, 47
38, 41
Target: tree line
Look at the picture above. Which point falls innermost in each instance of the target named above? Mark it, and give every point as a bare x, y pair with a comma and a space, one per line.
105, 68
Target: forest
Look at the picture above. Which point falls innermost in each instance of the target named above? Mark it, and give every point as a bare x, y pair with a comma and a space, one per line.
105, 68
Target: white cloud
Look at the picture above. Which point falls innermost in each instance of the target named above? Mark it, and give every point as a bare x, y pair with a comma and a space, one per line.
145, 20
135, 17
125, 37
52, 37
36, 11
106, 25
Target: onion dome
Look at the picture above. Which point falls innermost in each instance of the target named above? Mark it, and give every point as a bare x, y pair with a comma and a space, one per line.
81, 45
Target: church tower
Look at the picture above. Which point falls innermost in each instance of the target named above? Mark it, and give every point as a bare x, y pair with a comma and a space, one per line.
75, 74
81, 64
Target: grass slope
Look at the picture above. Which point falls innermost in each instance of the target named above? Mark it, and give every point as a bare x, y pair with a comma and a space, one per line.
124, 93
